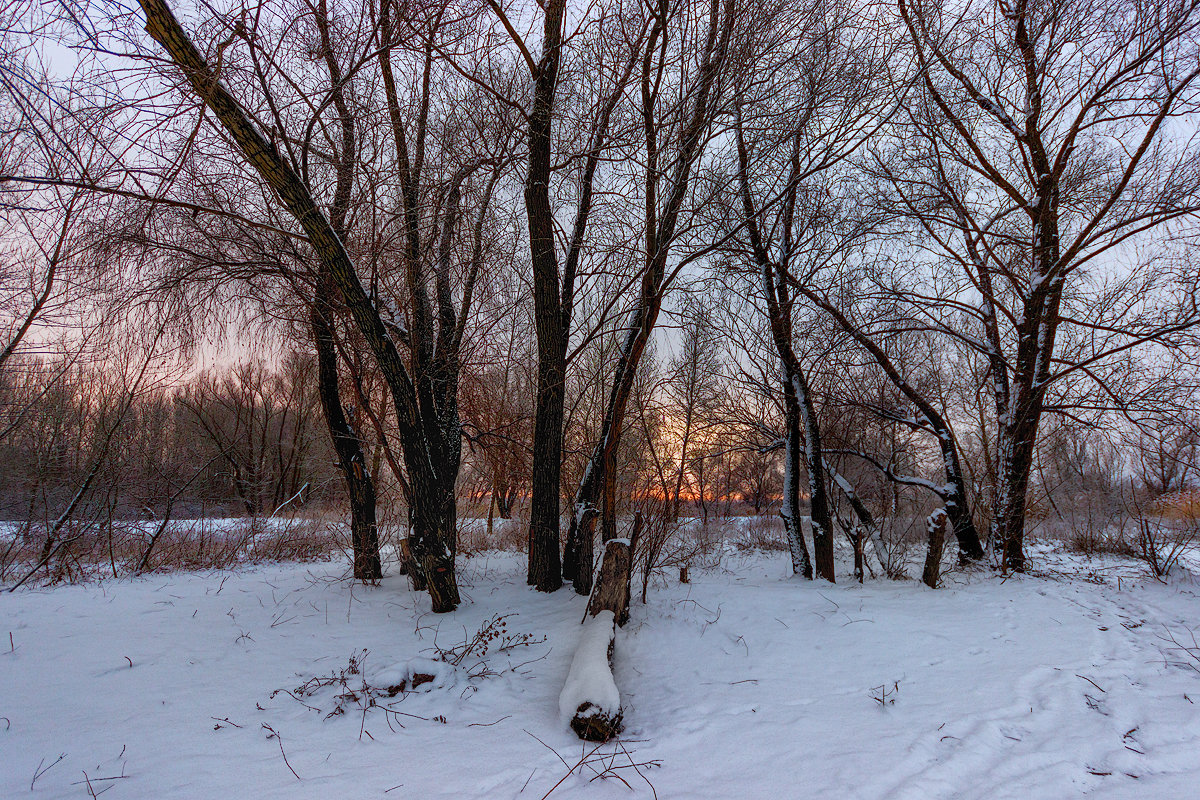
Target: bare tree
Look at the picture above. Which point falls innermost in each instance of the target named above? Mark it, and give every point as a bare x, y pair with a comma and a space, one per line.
691, 388
1168, 453
1039, 151
424, 383
668, 171
554, 290
810, 100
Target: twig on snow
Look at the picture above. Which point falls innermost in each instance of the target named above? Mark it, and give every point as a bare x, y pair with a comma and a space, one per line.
39, 772
273, 733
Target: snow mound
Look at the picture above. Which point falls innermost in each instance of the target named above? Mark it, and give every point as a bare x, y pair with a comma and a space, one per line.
417, 675
590, 689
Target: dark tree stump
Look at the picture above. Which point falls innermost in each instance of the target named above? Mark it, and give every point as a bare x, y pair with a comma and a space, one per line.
936, 527
611, 592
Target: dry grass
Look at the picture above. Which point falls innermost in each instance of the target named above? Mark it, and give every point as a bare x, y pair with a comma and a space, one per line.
758, 534
1090, 541
1184, 505
507, 534
83, 551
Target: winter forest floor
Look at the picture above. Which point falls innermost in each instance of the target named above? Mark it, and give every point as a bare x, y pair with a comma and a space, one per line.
745, 683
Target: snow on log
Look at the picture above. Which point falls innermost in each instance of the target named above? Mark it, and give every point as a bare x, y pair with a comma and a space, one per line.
590, 697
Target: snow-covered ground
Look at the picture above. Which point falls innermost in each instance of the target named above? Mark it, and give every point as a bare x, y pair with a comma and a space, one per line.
745, 683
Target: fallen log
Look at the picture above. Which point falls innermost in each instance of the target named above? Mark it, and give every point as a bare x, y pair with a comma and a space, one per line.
590, 696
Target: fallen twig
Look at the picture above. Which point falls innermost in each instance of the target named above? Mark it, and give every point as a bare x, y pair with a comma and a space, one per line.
273, 732
39, 772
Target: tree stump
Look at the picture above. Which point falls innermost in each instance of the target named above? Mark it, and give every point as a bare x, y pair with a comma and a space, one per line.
611, 592
935, 526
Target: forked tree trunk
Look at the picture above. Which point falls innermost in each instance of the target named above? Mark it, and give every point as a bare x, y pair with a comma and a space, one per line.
775, 282
866, 527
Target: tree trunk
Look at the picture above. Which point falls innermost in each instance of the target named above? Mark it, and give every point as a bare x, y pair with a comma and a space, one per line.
432, 541
802, 417
503, 501
360, 487
801, 564
590, 695
821, 520
856, 539
935, 526
545, 570
866, 527
1035, 350
1017, 443
616, 568
579, 556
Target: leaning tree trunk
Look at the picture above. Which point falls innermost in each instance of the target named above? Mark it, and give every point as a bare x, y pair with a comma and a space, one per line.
954, 494
867, 527
431, 530
596, 497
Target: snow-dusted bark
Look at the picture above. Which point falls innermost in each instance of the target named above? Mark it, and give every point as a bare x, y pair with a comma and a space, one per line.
790, 511
820, 518
935, 529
